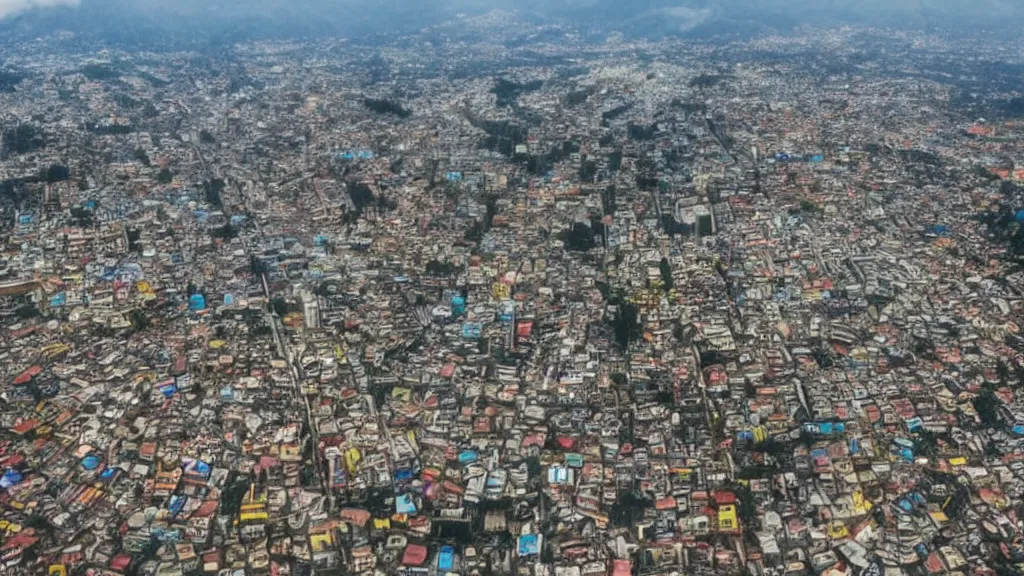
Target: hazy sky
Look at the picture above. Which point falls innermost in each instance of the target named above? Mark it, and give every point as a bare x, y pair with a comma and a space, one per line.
9, 7
352, 16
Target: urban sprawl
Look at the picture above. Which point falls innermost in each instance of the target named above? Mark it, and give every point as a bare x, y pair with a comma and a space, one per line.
497, 299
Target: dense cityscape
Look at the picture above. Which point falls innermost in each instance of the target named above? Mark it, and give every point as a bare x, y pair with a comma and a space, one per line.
497, 298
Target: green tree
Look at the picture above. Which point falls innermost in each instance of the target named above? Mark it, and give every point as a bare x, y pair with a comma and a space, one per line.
57, 173
809, 206
666, 274
987, 406
746, 508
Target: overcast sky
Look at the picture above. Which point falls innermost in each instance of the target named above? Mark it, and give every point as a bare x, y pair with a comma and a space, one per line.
10, 7
351, 15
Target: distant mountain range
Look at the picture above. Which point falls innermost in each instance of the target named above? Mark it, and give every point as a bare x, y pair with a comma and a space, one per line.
156, 23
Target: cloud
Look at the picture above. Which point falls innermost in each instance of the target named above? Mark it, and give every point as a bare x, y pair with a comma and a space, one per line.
688, 18
10, 7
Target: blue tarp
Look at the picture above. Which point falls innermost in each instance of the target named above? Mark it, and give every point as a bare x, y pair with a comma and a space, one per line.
196, 468
91, 462
529, 545
197, 302
358, 154
11, 478
558, 475
405, 505
168, 388
458, 305
472, 330
176, 504
446, 559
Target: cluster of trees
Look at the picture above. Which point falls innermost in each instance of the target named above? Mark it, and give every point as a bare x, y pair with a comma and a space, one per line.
809, 206
126, 101
508, 92
382, 106
82, 217
23, 139
476, 232
206, 138
688, 107
235, 489
141, 156
155, 81
9, 79
1004, 227
133, 236
673, 227
629, 508
139, 320
580, 237
444, 269
640, 132
646, 176
576, 97
360, 194
502, 136
588, 170
56, 173
915, 156
165, 176
614, 113
1014, 107
665, 269
615, 160
539, 165
987, 406
96, 72
625, 324
10, 191
258, 266
362, 197
211, 192
707, 81
225, 232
